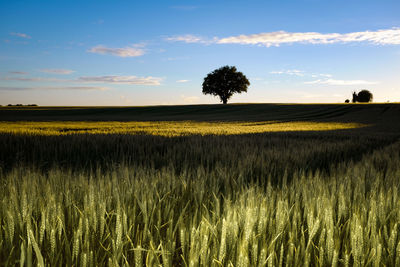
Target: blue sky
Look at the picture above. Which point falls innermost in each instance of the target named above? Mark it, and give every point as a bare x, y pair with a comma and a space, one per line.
158, 52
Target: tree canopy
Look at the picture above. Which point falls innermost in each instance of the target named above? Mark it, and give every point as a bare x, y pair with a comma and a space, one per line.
364, 96
224, 82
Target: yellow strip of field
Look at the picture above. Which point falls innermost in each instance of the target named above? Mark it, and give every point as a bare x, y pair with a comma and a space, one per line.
167, 128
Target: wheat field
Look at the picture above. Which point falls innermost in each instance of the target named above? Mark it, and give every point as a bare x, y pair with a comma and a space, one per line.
168, 128
287, 198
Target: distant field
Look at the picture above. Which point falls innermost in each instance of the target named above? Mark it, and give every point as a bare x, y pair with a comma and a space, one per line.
202, 185
168, 128
364, 113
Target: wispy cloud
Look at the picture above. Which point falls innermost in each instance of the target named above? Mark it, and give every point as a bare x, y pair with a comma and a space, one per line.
340, 82
380, 37
22, 35
289, 72
190, 38
182, 81
322, 78
268, 39
110, 79
301, 73
57, 71
119, 52
31, 79
321, 75
114, 79
18, 72
95, 88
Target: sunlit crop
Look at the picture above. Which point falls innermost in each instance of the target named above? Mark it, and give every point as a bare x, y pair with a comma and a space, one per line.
186, 193
168, 128
141, 216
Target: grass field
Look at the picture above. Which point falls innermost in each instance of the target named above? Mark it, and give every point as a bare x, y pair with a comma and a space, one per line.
247, 185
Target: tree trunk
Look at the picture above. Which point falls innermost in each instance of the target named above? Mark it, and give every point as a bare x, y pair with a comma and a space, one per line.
224, 101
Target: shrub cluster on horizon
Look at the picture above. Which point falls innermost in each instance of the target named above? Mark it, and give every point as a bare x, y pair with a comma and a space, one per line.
364, 96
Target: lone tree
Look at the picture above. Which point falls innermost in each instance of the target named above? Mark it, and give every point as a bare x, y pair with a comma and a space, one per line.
364, 96
224, 82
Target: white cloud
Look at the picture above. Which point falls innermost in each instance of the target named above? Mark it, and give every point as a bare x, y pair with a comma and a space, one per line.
114, 79
57, 71
182, 81
5, 88
277, 38
340, 82
189, 38
380, 37
289, 72
325, 75
119, 52
22, 35
140, 45
268, 39
314, 75
301, 73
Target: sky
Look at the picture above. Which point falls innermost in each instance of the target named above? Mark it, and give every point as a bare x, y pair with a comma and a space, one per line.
135, 53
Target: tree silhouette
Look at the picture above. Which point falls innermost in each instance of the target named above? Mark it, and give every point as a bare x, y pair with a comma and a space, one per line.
364, 96
224, 82
354, 100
